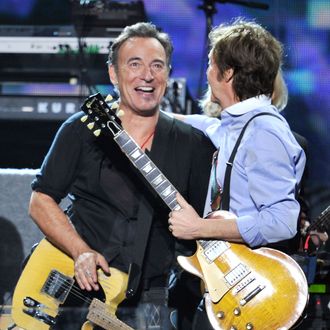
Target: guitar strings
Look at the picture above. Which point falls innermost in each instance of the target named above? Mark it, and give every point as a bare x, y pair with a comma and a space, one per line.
321, 219
110, 319
77, 292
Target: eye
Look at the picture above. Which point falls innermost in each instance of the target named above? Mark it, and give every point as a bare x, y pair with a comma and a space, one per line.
134, 65
158, 67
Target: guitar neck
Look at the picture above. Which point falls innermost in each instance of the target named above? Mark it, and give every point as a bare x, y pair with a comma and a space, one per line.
148, 169
321, 223
99, 314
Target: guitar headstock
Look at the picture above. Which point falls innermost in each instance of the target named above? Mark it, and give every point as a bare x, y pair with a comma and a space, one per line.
100, 116
324, 220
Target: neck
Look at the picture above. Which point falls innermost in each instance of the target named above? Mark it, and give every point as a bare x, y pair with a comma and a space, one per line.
140, 128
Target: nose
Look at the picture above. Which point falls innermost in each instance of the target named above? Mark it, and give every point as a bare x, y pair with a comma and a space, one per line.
147, 74
208, 74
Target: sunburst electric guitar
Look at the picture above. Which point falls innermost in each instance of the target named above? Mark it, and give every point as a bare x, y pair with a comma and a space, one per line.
47, 281
246, 289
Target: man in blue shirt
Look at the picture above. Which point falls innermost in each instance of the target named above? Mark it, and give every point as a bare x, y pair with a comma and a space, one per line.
269, 163
243, 63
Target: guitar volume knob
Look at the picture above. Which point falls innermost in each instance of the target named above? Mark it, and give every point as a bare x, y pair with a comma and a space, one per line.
237, 311
249, 326
221, 315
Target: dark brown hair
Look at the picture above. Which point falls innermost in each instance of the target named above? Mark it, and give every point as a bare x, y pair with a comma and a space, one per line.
252, 52
141, 30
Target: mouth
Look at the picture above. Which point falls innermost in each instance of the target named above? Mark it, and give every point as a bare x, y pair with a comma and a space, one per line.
144, 89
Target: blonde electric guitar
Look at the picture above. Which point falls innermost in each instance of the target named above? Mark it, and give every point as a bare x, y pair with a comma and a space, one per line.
47, 281
261, 289
248, 289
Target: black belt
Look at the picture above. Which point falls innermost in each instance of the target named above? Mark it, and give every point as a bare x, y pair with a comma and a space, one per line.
154, 282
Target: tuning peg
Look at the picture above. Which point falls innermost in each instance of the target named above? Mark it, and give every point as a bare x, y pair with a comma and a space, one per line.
108, 98
97, 132
114, 106
83, 118
120, 113
90, 125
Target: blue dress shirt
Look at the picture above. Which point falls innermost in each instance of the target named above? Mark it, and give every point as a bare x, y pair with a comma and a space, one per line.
266, 173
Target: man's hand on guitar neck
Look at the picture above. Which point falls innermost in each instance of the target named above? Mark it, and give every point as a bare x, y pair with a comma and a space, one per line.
318, 237
322, 237
187, 224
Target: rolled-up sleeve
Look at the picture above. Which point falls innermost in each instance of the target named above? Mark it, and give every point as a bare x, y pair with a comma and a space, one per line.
58, 168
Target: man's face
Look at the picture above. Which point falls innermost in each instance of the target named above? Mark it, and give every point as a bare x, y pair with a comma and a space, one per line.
142, 75
213, 80
221, 88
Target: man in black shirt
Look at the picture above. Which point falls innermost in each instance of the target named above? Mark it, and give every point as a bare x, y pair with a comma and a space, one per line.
110, 202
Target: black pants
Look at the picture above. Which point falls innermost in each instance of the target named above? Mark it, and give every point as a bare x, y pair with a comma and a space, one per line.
201, 320
150, 311
175, 307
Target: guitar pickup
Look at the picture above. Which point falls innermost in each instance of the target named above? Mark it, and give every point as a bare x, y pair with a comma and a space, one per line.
57, 285
237, 274
214, 249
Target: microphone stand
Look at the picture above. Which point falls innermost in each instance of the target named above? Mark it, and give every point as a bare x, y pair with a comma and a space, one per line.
209, 8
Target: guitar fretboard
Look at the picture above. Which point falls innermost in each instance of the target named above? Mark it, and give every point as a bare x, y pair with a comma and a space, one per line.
322, 221
149, 170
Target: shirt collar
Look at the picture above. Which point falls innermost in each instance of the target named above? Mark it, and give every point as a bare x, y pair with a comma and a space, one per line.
248, 105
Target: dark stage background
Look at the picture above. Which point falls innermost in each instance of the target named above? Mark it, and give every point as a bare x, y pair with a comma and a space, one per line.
45, 72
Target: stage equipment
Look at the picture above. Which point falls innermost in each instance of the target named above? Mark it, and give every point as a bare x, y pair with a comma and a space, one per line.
47, 67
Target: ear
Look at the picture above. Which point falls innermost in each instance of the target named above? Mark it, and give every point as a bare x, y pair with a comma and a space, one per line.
112, 74
228, 75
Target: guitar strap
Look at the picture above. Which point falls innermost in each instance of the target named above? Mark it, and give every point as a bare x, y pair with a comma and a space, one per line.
225, 201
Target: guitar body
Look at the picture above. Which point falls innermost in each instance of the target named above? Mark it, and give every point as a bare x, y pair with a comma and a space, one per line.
258, 289
45, 283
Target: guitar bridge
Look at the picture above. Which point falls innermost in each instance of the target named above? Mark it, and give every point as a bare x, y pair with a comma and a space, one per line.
34, 309
57, 285
251, 295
